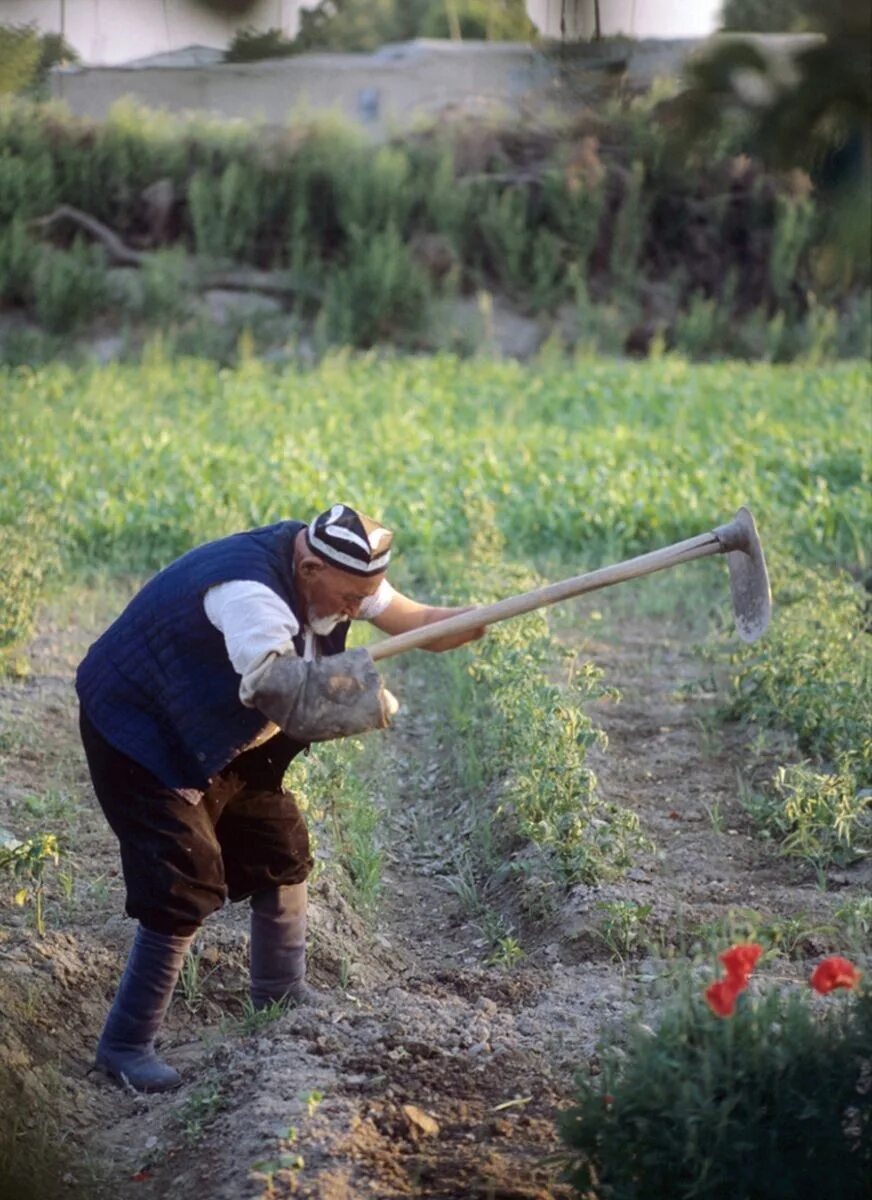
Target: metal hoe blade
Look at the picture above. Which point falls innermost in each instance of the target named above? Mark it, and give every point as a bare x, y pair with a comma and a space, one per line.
749, 579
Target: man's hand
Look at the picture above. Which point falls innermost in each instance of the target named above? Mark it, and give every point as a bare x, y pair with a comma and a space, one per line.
403, 614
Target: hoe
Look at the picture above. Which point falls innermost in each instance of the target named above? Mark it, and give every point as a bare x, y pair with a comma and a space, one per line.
749, 584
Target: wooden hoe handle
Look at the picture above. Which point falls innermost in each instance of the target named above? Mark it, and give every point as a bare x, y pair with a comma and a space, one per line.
514, 606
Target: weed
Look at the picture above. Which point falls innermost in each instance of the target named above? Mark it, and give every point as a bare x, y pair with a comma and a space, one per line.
715, 814
344, 973
856, 917
252, 1020
198, 1110
465, 887
339, 797
26, 862
506, 953
623, 926
191, 981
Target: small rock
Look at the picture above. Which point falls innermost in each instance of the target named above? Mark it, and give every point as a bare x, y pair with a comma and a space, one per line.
485, 1005
420, 1120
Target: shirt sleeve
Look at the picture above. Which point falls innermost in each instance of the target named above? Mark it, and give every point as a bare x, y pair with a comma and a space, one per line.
374, 605
256, 624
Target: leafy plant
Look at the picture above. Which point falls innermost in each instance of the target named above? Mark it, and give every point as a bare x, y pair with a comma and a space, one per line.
769, 1103
69, 286
26, 863
623, 926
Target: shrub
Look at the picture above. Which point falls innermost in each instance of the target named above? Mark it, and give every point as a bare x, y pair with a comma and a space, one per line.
19, 57
69, 286
225, 213
771, 1103
19, 256
381, 292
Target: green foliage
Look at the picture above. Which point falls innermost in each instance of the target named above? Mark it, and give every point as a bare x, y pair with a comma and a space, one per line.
364, 25
456, 209
26, 862
622, 926
764, 16
27, 558
69, 286
483, 20
794, 226
380, 293
813, 676
772, 1103
26, 56
798, 107
253, 45
225, 212
354, 25
19, 255
19, 57
629, 231
813, 673
334, 790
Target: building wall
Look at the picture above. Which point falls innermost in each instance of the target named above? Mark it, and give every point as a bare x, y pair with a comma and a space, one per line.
391, 88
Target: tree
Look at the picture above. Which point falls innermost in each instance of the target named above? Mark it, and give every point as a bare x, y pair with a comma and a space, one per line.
765, 16
800, 111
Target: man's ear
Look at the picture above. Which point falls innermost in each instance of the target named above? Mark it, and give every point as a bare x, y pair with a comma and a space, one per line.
310, 566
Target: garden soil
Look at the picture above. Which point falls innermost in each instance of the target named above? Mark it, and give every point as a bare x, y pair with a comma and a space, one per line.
426, 1072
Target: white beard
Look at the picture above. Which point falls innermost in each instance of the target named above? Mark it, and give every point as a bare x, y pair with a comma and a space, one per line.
321, 626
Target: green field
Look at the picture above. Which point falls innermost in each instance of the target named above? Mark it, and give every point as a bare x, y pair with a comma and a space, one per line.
131, 465
495, 477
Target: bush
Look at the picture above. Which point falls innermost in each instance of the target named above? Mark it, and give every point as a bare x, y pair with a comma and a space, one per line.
772, 1103
250, 45
69, 286
380, 293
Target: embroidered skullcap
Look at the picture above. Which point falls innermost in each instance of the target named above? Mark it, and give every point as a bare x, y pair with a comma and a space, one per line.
350, 540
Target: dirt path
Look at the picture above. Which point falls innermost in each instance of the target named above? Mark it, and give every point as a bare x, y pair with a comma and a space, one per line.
427, 1073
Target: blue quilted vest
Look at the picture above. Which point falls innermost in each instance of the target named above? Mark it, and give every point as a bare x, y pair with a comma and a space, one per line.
159, 686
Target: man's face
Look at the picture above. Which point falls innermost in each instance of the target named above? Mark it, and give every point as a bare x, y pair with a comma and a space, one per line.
332, 595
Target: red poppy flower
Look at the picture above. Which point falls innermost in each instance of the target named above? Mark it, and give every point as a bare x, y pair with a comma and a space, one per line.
740, 961
721, 997
834, 972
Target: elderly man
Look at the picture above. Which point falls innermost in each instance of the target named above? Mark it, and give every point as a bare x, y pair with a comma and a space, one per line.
225, 666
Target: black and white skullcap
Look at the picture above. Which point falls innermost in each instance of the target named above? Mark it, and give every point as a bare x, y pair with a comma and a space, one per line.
350, 540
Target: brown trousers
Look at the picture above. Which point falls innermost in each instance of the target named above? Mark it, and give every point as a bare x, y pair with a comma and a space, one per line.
182, 861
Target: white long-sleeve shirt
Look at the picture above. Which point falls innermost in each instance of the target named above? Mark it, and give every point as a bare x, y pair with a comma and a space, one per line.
257, 624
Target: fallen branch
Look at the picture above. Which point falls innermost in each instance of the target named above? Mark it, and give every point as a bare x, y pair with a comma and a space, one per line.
119, 254
199, 277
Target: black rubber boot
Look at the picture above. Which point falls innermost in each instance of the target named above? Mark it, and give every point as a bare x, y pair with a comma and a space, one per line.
278, 947
126, 1048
